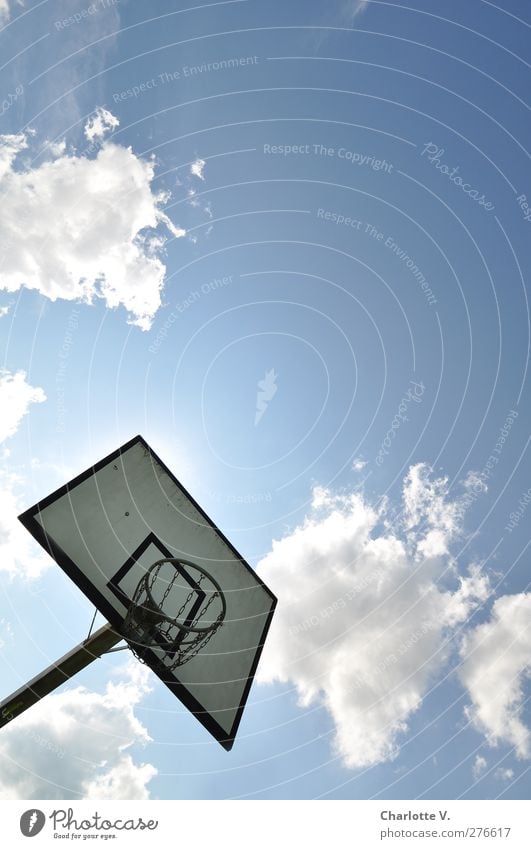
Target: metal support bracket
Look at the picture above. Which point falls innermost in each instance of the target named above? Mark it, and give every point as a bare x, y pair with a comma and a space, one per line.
62, 670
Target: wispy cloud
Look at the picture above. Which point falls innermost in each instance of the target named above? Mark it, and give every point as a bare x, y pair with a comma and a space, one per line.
504, 774
479, 766
80, 53
338, 16
352, 8
18, 553
6, 7
267, 389
20, 557
6, 633
16, 396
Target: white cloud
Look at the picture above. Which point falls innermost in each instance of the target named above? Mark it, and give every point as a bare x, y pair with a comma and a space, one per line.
16, 395
5, 9
79, 228
99, 124
123, 781
358, 464
73, 744
475, 483
504, 774
6, 633
197, 168
10, 147
496, 662
57, 148
368, 611
3, 311
479, 767
192, 199
18, 554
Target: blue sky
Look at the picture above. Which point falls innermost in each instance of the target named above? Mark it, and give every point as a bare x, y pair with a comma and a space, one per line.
287, 243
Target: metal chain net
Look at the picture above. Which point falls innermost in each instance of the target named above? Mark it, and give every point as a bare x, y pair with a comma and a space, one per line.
151, 623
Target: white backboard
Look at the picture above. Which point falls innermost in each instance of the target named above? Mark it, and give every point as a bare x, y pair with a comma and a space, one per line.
109, 524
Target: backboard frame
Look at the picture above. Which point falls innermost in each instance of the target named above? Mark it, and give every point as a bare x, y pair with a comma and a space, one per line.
29, 520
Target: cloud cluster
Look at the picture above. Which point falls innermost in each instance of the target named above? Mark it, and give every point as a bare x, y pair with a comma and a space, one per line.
80, 228
496, 661
74, 745
369, 611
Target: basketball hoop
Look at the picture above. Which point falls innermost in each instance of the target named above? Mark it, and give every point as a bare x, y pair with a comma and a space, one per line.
118, 530
173, 584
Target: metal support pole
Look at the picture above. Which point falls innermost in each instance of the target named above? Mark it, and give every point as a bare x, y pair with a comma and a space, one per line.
59, 672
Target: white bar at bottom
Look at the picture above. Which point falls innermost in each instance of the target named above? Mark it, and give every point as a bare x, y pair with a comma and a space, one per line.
261, 824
